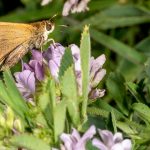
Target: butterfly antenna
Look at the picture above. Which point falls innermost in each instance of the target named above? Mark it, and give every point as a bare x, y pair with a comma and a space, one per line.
51, 19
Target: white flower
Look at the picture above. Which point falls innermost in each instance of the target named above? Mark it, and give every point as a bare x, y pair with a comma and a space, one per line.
45, 2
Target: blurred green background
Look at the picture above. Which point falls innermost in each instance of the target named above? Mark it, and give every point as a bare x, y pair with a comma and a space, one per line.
119, 29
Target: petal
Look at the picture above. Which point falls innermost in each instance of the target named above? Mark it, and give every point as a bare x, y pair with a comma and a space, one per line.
127, 145
96, 93
39, 71
37, 67
98, 77
45, 2
87, 135
25, 66
117, 147
37, 55
96, 65
100, 145
76, 135
66, 138
55, 53
107, 137
25, 82
117, 137
53, 69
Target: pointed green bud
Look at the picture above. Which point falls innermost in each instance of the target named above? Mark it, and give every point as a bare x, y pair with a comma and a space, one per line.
9, 118
18, 126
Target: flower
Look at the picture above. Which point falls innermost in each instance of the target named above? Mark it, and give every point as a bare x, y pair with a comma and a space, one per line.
111, 142
35, 65
45, 2
53, 56
26, 83
96, 75
74, 6
74, 141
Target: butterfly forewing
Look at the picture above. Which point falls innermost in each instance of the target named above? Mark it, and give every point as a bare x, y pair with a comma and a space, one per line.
12, 35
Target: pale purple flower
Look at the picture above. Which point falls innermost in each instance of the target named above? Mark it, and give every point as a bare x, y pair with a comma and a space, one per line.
96, 75
53, 56
75, 6
36, 65
26, 83
111, 142
74, 141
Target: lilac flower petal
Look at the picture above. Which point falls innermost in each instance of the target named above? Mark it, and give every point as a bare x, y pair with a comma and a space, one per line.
127, 145
25, 83
25, 66
96, 93
117, 146
53, 69
38, 69
87, 135
37, 55
98, 77
96, 64
76, 134
107, 137
67, 6
66, 138
117, 137
76, 57
97, 143
55, 51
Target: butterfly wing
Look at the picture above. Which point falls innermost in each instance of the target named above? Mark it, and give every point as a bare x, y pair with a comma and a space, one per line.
13, 35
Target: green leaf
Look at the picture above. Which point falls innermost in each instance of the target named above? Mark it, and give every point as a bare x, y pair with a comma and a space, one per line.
133, 89
116, 16
66, 62
115, 85
69, 91
126, 128
47, 101
85, 52
98, 112
44, 103
10, 95
143, 110
121, 49
144, 46
59, 119
29, 142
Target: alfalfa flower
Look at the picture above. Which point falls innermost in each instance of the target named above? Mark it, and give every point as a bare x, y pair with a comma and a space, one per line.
26, 83
54, 55
75, 141
35, 65
111, 142
74, 6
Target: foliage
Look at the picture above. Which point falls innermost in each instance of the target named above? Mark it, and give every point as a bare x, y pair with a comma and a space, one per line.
119, 29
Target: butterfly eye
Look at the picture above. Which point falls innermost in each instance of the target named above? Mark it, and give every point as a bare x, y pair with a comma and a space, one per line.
48, 26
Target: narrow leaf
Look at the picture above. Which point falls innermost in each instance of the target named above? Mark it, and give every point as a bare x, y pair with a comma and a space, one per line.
85, 48
121, 49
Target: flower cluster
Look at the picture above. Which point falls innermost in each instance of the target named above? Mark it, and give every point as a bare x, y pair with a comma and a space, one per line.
108, 141
73, 6
34, 70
